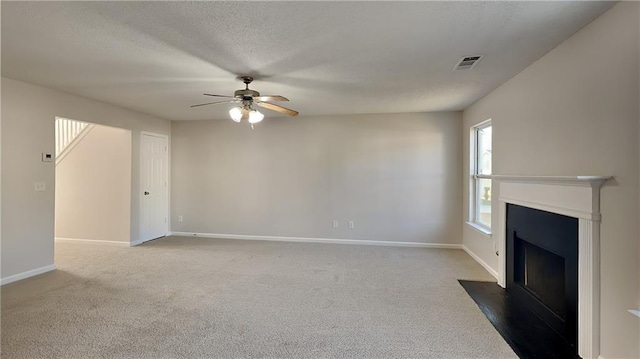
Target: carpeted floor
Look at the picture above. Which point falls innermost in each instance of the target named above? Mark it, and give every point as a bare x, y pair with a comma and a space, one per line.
211, 298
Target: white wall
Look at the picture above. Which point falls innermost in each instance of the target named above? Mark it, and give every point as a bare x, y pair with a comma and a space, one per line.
93, 187
396, 176
575, 112
28, 115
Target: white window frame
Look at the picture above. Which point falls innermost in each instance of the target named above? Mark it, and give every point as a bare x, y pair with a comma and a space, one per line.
474, 183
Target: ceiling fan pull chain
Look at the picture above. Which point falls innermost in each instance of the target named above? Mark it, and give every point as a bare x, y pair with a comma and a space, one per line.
252, 126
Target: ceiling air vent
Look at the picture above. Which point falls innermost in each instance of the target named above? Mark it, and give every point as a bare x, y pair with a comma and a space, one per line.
467, 62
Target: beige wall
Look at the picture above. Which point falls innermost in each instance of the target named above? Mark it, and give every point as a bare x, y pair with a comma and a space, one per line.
28, 115
396, 176
0, 179
575, 112
93, 187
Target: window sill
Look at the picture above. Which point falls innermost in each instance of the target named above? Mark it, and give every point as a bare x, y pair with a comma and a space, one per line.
482, 229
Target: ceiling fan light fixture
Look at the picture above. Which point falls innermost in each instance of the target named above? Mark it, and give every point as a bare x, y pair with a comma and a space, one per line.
236, 114
255, 116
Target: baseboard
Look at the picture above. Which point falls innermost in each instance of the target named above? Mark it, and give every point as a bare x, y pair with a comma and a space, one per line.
91, 241
27, 274
317, 240
484, 264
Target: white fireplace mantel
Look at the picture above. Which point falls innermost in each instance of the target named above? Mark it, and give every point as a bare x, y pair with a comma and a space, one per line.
573, 196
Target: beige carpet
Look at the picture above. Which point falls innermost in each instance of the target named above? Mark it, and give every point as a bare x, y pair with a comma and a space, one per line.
211, 298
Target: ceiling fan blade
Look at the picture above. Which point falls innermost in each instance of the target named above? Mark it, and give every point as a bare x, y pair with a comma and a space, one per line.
216, 102
208, 94
271, 98
277, 108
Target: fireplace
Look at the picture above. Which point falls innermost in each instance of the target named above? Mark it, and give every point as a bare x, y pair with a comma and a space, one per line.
578, 198
542, 266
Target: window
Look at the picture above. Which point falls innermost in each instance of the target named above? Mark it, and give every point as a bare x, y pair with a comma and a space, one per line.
480, 198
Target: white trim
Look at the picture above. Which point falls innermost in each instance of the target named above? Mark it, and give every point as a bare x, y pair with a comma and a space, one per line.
317, 240
502, 243
474, 183
552, 208
95, 241
484, 124
138, 242
480, 228
593, 181
574, 196
484, 264
154, 134
27, 274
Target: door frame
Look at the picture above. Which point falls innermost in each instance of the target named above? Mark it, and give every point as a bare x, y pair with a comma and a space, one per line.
140, 239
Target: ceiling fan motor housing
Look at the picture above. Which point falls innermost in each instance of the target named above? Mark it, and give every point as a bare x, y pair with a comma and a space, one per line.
246, 93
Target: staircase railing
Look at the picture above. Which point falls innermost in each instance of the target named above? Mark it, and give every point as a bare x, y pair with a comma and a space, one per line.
68, 134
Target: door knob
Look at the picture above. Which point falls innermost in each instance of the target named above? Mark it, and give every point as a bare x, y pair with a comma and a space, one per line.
146, 193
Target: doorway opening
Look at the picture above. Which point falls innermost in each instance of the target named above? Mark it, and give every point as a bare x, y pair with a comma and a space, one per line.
92, 182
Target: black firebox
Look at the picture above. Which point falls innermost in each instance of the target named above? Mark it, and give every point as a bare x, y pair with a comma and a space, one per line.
542, 267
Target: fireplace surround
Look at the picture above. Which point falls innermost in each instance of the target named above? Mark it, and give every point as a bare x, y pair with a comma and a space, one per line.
573, 196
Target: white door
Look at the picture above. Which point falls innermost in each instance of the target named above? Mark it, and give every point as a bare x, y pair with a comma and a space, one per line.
154, 158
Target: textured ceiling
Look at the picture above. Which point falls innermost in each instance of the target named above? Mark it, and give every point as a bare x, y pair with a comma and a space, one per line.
326, 57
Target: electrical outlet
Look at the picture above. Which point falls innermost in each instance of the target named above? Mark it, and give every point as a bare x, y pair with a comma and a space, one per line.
335, 224
351, 225
179, 218
39, 186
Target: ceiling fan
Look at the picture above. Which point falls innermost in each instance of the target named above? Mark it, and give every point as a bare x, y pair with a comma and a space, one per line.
247, 98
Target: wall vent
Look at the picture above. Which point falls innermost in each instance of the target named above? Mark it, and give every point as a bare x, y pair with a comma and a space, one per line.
467, 62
